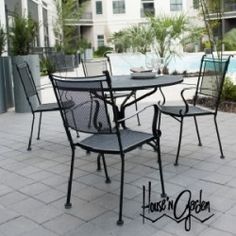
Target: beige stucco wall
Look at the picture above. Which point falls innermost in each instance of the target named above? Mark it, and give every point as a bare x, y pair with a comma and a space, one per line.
108, 23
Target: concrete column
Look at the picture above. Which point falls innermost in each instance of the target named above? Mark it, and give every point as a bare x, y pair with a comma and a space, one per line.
52, 18
24, 4
3, 18
41, 21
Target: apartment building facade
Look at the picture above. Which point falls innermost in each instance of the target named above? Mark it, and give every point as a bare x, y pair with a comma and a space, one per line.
42, 11
104, 17
227, 9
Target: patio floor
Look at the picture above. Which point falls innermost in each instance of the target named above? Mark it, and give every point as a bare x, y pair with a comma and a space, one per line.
33, 184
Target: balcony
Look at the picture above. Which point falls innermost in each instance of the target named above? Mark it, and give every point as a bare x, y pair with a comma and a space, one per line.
229, 7
86, 19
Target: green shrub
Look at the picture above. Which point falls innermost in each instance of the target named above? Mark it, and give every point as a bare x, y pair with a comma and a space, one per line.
230, 40
84, 44
46, 66
101, 50
22, 35
2, 40
229, 90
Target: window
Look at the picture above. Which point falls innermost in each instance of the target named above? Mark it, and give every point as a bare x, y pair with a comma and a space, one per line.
98, 7
100, 40
148, 8
118, 6
195, 4
176, 5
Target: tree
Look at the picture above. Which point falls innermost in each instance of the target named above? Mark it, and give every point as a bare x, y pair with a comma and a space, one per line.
213, 25
230, 40
2, 39
141, 37
121, 40
69, 12
22, 35
136, 37
168, 34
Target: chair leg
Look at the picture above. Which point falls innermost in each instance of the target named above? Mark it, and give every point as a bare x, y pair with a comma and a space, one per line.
198, 134
31, 133
39, 127
136, 108
68, 202
99, 162
108, 180
90, 115
218, 136
120, 220
159, 121
163, 194
180, 139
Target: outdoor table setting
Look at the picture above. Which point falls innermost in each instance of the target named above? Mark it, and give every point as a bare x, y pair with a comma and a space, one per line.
132, 84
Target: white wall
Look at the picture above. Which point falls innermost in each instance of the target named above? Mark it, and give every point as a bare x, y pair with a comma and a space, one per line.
2, 13
52, 18
108, 23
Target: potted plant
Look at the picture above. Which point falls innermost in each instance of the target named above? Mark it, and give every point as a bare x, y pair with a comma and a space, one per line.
85, 49
6, 93
22, 36
2, 79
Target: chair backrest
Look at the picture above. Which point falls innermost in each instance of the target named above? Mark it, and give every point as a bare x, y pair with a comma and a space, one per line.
121, 63
88, 111
28, 84
211, 79
59, 62
94, 67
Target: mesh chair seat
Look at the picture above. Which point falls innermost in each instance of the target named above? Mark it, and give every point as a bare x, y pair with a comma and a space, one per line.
193, 110
109, 143
47, 107
53, 106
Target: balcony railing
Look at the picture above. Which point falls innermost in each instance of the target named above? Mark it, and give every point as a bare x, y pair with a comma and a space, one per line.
86, 19
229, 7
225, 6
87, 16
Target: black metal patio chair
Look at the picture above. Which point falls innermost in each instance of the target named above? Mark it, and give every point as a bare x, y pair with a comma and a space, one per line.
33, 98
209, 86
123, 94
106, 135
96, 67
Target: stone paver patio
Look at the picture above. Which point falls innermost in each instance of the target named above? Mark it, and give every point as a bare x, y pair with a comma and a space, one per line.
33, 184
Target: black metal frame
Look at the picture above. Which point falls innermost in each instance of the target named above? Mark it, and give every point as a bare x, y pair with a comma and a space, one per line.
154, 138
126, 95
40, 107
186, 110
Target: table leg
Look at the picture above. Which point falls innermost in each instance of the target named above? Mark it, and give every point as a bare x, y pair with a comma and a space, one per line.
126, 104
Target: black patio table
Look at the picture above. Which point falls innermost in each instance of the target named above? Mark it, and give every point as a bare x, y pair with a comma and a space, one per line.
127, 83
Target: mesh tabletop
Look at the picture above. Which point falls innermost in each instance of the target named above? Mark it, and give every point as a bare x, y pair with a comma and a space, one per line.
125, 82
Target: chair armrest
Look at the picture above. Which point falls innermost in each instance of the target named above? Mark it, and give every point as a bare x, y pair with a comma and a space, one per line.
156, 132
134, 114
45, 86
183, 112
188, 84
163, 97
